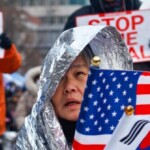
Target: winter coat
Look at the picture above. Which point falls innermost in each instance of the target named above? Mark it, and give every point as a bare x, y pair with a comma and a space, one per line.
10, 63
27, 100
97, 7
42, 129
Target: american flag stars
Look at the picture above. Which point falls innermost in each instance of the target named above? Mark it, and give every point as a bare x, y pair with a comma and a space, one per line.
106, 96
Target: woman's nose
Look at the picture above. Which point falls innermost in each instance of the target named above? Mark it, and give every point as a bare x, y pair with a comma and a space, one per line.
69, 88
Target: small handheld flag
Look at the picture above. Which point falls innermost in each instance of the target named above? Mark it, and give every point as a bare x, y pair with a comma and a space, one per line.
107, 94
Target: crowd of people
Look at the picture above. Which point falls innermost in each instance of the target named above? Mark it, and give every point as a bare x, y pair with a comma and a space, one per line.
46, 112
10, 61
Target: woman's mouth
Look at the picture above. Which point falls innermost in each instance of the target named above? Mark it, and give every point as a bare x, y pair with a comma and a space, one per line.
70, 103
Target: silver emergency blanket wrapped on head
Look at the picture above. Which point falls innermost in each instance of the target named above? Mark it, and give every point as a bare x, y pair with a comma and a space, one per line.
42, 130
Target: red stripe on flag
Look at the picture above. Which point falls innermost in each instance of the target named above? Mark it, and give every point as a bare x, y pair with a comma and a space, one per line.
146, 142
142, 109
143, 89
146, 74
78, 146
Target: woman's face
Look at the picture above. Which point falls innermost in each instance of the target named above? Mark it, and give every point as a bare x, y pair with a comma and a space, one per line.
68, 96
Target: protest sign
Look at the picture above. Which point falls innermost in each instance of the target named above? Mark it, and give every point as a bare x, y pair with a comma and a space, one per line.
134, 26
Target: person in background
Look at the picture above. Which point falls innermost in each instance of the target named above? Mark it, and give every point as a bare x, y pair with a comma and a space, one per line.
8, 64
106, 6
27, 100
13, 93
102, 6
52, 122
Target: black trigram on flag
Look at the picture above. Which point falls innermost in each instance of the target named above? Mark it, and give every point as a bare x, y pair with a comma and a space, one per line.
135, 130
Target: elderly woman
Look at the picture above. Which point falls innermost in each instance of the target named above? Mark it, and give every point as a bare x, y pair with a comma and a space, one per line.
52, 122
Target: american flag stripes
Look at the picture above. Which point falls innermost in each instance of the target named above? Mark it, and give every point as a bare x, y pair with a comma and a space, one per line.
143, 94
107, 93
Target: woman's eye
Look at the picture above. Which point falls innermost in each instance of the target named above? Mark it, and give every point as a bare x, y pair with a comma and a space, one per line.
80, 73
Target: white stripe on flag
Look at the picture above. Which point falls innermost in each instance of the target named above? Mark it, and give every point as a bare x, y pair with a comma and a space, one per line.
143, 99
144, 79
95, 139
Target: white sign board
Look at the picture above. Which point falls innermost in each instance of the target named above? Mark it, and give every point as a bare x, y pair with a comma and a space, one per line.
1, 30
145, 4
134, 27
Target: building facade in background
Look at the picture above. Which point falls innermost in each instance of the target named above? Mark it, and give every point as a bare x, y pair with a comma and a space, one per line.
36, 24
52, 15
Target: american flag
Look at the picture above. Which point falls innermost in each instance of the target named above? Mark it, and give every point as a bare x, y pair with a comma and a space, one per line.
107, 94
